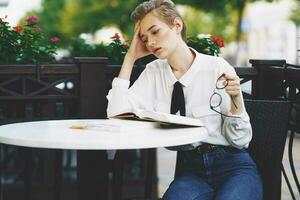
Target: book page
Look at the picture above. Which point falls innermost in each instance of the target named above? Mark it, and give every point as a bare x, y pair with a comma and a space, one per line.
170, 118
128, 115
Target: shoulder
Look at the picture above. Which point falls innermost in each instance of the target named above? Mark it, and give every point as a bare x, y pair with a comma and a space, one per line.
217, 64
209, 60
156, 66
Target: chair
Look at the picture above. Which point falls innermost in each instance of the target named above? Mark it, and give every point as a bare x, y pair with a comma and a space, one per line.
269, 121
293, 81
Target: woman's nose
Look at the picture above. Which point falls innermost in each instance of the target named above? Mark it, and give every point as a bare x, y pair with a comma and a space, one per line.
151, 43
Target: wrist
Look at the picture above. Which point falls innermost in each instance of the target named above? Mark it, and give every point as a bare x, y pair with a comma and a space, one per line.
236, 104
129, 58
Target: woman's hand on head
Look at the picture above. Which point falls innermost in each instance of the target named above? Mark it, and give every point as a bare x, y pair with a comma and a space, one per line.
137, 48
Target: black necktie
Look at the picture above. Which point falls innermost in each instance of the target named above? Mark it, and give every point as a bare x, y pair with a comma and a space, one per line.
177, 102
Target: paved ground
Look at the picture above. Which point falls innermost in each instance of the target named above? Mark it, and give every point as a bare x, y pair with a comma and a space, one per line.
166, 166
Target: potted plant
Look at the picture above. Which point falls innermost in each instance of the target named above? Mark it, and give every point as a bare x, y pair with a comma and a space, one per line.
117, 49
25, 44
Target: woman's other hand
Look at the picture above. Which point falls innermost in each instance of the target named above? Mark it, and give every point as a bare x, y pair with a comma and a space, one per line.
233, 88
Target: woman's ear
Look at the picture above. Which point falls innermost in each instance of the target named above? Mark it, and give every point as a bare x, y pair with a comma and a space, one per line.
178, 25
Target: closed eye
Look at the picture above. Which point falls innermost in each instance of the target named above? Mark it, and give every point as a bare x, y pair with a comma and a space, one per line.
155, 32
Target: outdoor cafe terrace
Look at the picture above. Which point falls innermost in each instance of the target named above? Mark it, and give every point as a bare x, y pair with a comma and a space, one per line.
31, 93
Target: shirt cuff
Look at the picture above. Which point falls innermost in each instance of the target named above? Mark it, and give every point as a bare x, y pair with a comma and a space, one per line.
244, 115
118, 82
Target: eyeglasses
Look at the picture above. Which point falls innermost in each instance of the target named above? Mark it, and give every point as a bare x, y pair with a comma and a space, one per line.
216, 99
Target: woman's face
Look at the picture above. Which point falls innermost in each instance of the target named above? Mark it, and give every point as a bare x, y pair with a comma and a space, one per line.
160, 39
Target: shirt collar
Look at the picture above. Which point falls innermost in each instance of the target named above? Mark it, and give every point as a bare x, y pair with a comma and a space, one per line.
187, 78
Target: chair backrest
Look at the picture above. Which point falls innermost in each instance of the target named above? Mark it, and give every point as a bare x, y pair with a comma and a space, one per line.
269, 120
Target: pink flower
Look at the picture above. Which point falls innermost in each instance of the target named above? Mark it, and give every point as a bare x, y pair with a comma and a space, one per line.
19, 29
37, 29
32, 19
116, 36
55, 39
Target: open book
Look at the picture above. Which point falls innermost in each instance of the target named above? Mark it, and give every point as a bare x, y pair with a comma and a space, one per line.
163, 118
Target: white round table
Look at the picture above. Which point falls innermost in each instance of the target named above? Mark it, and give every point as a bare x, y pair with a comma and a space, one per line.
97, 134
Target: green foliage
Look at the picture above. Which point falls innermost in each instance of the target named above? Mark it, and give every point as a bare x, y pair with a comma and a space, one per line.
221, 9
79, 47
115, 51
50, 18
199, 21
206, 44
295, 16
90, 15
69, 18
25, 44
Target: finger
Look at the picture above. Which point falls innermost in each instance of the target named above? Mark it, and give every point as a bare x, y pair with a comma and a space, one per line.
234, 91
233, 82
234, 87
137, 24
137, 32
231, 77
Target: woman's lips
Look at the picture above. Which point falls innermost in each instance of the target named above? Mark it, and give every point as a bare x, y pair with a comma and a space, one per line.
156, 50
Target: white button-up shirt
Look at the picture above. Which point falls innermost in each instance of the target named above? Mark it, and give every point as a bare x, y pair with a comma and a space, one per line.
153, 91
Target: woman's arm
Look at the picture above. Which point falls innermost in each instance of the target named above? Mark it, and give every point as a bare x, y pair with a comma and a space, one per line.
237, 130
120, 97
136, 50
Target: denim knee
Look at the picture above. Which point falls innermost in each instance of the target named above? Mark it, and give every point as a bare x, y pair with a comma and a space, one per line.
188, 187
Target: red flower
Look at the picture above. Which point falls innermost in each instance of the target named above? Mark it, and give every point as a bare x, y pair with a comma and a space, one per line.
54, 39
124, 46
37, 29
116, 36
32, 19
218, 40
19, 29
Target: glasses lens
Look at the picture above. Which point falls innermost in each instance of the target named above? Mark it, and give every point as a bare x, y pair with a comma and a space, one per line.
221, 82
215, 100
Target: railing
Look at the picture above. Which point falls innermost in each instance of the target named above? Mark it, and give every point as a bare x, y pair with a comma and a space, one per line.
57, 91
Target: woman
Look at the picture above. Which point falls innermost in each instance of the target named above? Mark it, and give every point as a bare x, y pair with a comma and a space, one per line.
218, 167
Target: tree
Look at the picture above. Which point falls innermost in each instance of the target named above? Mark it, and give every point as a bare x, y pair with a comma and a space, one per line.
69, 18
91, 15
219, 7
199, 21
295, 16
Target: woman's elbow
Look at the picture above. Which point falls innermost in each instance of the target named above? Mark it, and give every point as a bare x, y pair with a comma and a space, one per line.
239, 138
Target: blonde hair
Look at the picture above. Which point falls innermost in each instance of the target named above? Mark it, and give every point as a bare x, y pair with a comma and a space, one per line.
163, 9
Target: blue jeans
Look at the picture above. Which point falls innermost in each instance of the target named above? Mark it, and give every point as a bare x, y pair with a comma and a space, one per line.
225, 173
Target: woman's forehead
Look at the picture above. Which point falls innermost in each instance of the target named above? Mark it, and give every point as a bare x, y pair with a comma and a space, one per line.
149, 21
